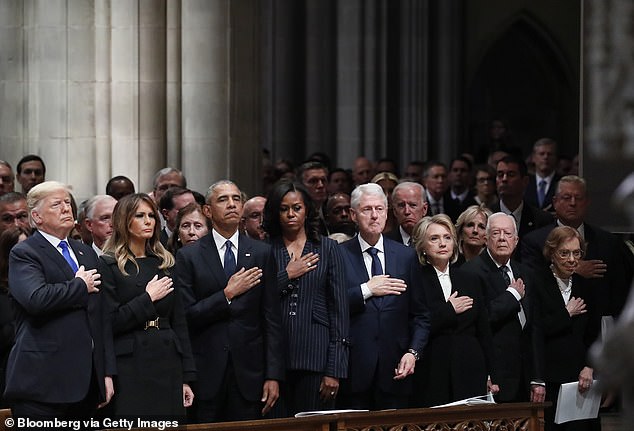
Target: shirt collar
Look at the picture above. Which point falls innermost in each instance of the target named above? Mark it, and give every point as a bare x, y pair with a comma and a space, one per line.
53, 239
221, 240
364, 245
441, 273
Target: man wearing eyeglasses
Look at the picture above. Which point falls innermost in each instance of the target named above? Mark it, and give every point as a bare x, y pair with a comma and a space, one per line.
389, 321
604, 265
508, 290
13, 211
251, 220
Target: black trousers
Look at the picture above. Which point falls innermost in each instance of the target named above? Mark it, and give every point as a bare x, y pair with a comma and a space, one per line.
228, 404
36, 415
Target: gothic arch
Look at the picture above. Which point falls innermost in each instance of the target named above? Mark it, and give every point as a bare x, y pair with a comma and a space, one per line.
525, 78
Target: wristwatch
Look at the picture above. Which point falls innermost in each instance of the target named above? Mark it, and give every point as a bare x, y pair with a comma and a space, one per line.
414, 352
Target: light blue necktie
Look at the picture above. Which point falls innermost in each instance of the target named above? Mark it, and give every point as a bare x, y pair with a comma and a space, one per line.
64, 246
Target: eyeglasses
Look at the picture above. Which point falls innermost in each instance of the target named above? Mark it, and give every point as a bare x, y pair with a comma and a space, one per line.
565, 254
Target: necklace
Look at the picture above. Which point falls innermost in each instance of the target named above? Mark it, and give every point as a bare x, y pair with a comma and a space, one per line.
565, 285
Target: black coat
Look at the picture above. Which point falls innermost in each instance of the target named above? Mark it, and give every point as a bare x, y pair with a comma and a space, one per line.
566, 339
457, 359
152, 363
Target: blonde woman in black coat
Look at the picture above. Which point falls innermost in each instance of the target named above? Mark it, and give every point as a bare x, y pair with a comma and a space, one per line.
456, 360
154, 359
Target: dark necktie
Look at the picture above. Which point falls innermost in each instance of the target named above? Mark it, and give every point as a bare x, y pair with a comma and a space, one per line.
377, 269
507, 279
505, 274
541, 192
64, 246
230, 260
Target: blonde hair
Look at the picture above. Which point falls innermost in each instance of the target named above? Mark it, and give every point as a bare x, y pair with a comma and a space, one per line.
40, 192
420, 232
466, 216
117, 245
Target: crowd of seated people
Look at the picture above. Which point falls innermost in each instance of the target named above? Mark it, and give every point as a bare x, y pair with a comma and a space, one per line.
365, 288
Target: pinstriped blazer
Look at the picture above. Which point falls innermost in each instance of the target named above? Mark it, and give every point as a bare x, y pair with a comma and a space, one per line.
315, 310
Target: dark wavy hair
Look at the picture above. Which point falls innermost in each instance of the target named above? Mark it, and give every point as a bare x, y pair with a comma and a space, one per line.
271, 223
8, 239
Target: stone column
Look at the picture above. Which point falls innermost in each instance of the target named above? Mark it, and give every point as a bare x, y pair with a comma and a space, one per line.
448, 67
205, 91
361, 80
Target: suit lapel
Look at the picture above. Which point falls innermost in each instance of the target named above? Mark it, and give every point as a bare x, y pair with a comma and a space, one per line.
245, 257
356, 257
211, 258
54, 256
82, 259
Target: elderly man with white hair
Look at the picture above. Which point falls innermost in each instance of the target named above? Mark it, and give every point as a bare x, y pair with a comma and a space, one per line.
508, 290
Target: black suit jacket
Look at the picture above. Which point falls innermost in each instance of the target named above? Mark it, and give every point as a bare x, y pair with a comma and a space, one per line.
518, 352
458, 357
248, 330
63, 333
530, 194
383, 329
566, 339
612, 289
395, 235
315, 311
532, 218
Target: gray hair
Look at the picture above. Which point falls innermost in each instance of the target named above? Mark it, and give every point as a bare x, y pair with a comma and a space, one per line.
492, 217
90, 204
370, 189
212, 188
572, 179
411, 185
166, 171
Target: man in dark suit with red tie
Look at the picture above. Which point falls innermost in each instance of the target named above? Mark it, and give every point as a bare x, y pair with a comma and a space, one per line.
231, 301
62, 361
509, 293
389, 321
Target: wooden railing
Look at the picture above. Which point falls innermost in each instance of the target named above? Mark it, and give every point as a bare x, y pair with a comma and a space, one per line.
486, 417
489, 417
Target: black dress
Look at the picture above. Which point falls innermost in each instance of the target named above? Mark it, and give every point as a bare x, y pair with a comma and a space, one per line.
153, 362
